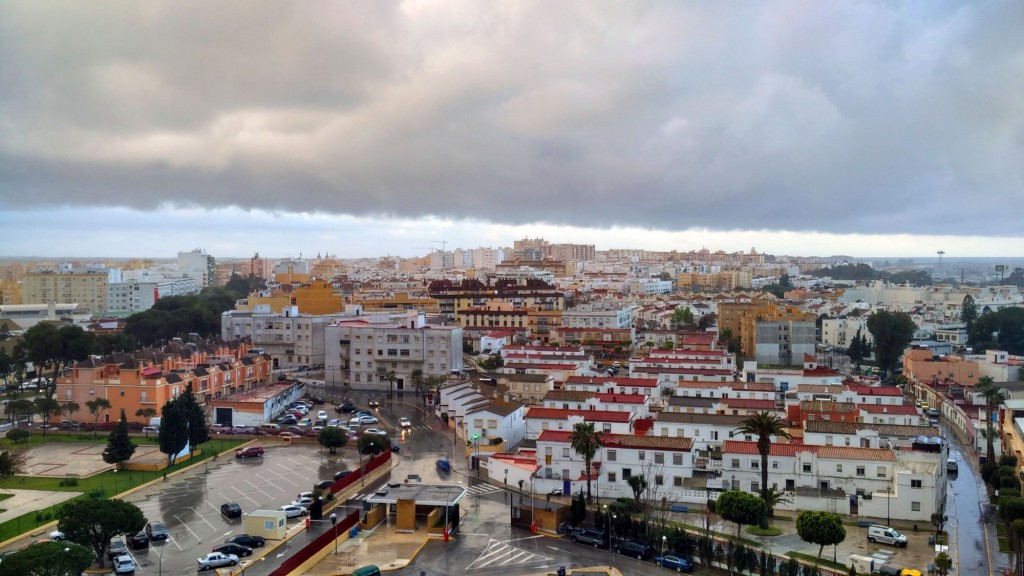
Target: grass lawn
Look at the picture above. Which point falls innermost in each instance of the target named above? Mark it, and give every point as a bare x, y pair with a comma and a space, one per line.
728, 535
756, 530
1001, 530
103, 485
813, 559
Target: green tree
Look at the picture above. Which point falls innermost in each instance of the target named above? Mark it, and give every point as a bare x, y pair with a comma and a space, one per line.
390, 376
943, 564
332, 438
48, 559
69, 409
1003, 330
774, 498
994, 396
741, 508
21, 408
1016, 544
892, 332
96, 407
174, 433
858, 349
46, 407
585, 441
6, 366
120, 447
821, 528
146, 414
682, 318
578, 510
372, 444
637, 484
939, 521
419, 383
93, 523
13, 462
55, 347
195, 418
968, 312
764, 425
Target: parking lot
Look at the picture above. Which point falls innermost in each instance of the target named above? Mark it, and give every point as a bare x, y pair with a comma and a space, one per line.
190, 506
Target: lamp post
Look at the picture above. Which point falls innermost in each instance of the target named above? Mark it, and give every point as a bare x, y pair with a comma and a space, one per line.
476, 441
334, 522
664, 539
611, 533
888, 501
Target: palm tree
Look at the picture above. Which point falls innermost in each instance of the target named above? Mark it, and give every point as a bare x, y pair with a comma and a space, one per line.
993, 397
586, 442
776, 497
764, 425
390, 376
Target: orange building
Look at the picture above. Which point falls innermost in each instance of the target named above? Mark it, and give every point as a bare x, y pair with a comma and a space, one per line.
150, 377
922, 365
318, 298
742, 318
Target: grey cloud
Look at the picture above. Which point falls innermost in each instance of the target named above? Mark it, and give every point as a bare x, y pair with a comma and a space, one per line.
844, 117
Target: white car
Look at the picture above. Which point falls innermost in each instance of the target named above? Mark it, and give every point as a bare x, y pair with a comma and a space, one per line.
321, 415
376, 431
368, 420
305, 502
216, 560
56, 535
124, 564
293, 511
334, 423
405, 422
305, 423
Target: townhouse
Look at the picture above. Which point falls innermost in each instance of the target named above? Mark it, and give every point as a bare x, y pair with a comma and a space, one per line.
646, 386
496, 422
865, 435
539, 419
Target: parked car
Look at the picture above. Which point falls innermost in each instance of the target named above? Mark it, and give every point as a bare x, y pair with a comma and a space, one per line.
289, 420
305, 423
596, 538
345, 408
247, 540
293, 511
317, 399
249, 452
231, 510
323, 484
405, 422
70, 425
156, 531
216, 560
321, 415
57, 536
138, 541
444, 465
341, 474
116, 548
395, 447
124, 564
233, 548
305, 501
368, 420
637, 550
151, 429
334, 423
677, 563
377, 431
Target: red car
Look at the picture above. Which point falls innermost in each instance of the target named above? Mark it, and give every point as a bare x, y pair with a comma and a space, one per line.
249, 452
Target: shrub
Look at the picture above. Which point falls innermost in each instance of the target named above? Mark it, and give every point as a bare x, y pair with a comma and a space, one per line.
987, 470
17, 435
1008, 460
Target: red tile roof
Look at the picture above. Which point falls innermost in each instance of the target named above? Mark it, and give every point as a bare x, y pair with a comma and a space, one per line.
692, 371
874, 390
749, 404
622, 398
621, 382
744, 447
897, 410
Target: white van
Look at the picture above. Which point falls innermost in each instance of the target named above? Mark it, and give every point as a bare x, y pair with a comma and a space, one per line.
270, 427
886, 535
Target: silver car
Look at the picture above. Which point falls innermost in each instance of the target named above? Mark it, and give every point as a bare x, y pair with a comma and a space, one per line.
216, 560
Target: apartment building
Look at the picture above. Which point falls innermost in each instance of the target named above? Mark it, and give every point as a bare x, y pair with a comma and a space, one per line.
359, 352
135, 296
289, 338
542, 301
722, 280
88, 288
199, 265
784, 342
865, 435
840, 332
148, 378
741, 318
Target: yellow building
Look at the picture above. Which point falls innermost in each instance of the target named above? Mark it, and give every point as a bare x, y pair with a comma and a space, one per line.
741, 319
318, 298
389, 300
87, 288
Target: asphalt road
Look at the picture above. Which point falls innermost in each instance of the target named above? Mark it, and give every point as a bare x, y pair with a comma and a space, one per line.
973, 545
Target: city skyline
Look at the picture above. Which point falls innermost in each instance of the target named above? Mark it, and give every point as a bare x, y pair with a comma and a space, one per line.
364, 129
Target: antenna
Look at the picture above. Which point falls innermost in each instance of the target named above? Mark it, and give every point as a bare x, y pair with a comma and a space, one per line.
940, 253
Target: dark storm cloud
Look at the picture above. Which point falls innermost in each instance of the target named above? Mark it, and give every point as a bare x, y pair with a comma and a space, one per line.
837, 117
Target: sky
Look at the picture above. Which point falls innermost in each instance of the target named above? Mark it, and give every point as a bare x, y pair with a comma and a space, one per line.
395, 128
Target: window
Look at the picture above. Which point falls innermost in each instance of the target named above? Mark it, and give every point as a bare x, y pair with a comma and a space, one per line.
659, 479
659, 457
142, 396
565, 452
735, 463
643, 455
915, 483
607, 428
915, 506
775, 464
755, 464
611, 455
677, 481
677, 459
860, 470
807, 468
611, 476
627, 472
122, 392
755, 487
882, 471
839, 468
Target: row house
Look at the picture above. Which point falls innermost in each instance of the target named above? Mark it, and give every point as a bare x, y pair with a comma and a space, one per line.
871, 482
864, 435
496, 315
712, 359
466, 410
675, 376
539, 419
708, 431
543, 301
815, 392
487, 340
574, 353
637, 404
149, 378
597, 341
568, 399
664, 462
613, 385
746, 390
527, 388
905, 415
559, 371
692, 405
860, 394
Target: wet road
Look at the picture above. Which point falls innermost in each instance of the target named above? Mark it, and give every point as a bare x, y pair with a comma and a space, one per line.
973, 545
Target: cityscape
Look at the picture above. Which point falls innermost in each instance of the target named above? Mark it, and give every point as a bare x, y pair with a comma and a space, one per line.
511, 288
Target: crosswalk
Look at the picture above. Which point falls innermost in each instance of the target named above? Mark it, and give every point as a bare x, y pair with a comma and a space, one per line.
500, 553
475, 490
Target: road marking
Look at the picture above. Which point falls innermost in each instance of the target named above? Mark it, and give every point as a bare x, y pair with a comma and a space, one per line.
498, 553
198, 539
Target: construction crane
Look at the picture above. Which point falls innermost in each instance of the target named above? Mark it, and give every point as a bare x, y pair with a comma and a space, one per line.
443, 243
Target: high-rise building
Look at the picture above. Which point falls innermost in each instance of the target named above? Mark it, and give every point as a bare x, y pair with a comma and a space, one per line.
87, 288
200, 265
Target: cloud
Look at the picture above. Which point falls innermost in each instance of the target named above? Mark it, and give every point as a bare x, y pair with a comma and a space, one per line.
834, 118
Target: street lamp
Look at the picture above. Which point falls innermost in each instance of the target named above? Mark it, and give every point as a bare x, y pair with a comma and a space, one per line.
888, 501
476, 441
664, 539
334, 522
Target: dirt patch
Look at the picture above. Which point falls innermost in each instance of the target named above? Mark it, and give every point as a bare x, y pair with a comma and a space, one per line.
60, 459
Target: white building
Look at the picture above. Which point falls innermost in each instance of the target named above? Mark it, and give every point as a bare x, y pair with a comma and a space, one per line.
289, 338
600, 315
539, 419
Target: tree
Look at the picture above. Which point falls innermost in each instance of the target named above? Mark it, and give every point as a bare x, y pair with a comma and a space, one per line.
1002, 329
892, 332
821, 528
120, 447
13, 462
585, 441
418, 382
858, 349
97, 406
147, 415
741, 508
774, 498
764, 425
943, 564
578, 510
968, 312
20, 408
195, 418
69, 409
391, 377
48, 559
173, 434
682, 318
93, 523
46, 407
332, 438
993, 397
1017, 545
939, 521
637, 484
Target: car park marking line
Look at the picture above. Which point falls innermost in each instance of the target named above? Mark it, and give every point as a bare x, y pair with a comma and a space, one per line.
202, 518
187, 528
498, 553
257, 488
